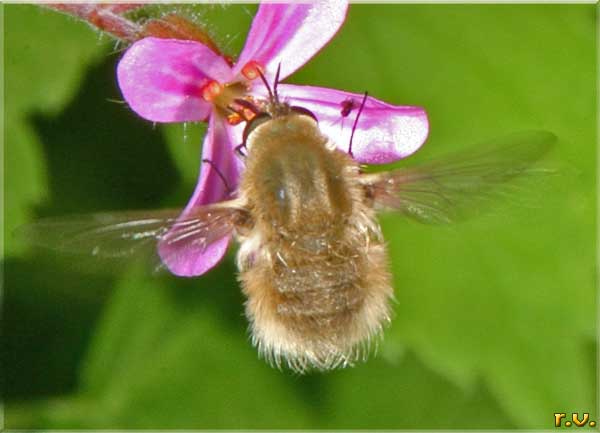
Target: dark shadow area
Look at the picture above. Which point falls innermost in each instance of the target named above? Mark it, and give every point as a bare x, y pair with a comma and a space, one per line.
219, 288
314, 391
49, 313
100, 155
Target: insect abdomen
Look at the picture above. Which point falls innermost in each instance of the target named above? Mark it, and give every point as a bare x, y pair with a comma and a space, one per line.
317, 311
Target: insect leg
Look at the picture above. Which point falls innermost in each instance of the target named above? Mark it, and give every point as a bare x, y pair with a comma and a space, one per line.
362, 105
238, 150
214, 166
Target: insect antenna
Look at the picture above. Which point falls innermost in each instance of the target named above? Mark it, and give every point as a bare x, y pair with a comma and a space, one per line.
214, 166
264, 80
362, 105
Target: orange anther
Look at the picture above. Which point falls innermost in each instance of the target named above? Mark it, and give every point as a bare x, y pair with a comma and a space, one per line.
211, 90
234, 119
252, 70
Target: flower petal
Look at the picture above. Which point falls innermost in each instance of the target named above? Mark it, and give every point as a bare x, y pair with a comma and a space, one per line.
192, 260
384, 133
290, 34
161, 79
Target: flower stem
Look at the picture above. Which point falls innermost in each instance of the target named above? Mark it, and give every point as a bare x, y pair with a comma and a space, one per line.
105, 17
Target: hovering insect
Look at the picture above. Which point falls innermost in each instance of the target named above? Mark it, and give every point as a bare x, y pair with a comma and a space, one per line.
312, 258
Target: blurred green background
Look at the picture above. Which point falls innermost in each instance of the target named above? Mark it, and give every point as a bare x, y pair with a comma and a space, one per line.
495, 321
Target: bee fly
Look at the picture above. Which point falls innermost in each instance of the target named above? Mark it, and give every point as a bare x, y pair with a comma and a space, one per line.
312, 259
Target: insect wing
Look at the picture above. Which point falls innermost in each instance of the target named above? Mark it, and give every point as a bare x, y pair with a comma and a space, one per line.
122, 234
445, 190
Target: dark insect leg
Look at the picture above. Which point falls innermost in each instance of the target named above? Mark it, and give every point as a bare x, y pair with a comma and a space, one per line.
213, 165
238, 150
362, 105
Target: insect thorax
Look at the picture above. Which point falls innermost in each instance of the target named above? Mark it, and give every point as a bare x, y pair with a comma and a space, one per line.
294, 182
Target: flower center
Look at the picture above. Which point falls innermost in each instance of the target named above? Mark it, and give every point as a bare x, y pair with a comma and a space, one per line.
224, 96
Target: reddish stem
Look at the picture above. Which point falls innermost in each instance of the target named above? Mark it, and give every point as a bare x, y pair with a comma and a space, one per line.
173, 26
106, 17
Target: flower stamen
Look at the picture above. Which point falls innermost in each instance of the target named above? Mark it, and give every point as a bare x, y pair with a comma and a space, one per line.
243, 110
252, 70
211, 90
234, 119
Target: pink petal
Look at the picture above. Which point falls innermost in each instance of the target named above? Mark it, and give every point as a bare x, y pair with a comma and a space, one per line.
384, 133
192, 260
290, 34
161, 79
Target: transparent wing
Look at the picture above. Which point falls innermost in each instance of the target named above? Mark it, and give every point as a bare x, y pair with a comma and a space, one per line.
121, 234
447, 189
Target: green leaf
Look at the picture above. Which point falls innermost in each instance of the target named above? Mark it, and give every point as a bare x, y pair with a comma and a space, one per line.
495, 321
402, 393
509, 298
46, 56
175, 354
185, 144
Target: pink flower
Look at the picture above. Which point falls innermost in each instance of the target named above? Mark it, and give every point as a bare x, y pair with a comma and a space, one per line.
168, 80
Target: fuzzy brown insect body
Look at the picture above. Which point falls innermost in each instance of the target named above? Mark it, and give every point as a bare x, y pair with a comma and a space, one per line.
312, 259
313, 266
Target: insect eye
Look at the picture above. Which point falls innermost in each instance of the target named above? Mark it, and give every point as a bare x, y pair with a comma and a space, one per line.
303, 111
255, 123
